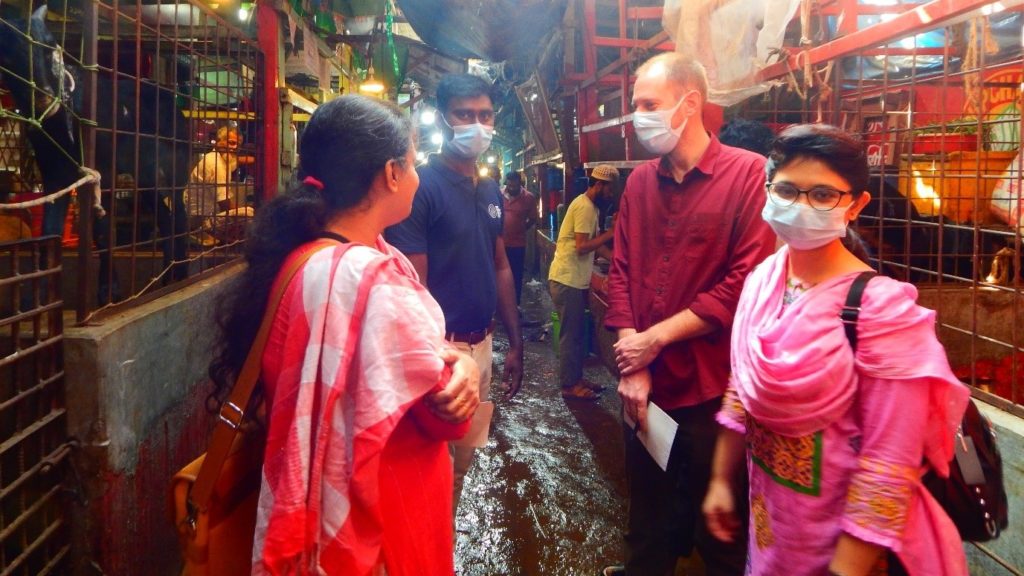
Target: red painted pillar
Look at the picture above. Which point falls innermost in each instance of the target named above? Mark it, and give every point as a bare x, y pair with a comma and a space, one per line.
268, 37
582, 117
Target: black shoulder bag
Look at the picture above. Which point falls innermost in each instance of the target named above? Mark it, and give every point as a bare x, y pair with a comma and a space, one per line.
973, 496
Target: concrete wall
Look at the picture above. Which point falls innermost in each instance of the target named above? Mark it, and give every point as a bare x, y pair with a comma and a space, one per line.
136, 401
993, 314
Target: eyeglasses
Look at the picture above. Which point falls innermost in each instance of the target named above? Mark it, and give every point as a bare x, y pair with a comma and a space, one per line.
466, 115
820, 197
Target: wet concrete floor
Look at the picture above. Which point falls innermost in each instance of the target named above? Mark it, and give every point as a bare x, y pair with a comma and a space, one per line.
548, 493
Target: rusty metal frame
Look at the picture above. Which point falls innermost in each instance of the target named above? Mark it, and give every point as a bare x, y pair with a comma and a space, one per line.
948, 249
914, 18
876, 41
34, 448
612, 81
119, 44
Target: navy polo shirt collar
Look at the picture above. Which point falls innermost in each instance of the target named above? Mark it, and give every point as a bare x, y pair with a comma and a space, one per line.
437, 163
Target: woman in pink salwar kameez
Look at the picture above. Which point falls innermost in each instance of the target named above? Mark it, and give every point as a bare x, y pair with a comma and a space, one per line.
836, 441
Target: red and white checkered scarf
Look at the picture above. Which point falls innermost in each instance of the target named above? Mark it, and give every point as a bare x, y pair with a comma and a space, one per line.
357, 345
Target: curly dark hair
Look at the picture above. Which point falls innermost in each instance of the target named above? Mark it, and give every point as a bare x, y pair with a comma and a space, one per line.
347, 142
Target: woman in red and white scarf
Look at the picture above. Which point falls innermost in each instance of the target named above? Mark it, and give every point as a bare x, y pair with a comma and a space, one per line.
361, 392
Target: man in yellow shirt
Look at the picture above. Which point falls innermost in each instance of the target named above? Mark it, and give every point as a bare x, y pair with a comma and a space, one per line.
569, 278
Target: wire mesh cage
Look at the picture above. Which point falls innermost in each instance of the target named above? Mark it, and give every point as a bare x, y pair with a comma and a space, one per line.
155, 99
938, 107
34, 535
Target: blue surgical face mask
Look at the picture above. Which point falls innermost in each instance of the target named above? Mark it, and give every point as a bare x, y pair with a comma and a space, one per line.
470, 140
654, 128
802, 227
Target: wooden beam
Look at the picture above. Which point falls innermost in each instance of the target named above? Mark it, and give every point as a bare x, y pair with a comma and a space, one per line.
645, 13
630, 43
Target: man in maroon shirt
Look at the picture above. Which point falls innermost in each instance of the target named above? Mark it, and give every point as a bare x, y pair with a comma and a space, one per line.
520, 215
688, 232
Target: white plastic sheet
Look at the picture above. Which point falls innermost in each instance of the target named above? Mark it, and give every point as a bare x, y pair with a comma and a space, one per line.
732, 38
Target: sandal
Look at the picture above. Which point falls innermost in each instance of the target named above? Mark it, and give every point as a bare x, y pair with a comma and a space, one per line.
579, 392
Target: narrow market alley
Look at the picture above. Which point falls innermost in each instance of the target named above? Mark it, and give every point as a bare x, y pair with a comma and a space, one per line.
548, 493
171, 406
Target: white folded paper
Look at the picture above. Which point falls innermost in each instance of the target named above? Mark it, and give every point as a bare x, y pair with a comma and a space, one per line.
660, 434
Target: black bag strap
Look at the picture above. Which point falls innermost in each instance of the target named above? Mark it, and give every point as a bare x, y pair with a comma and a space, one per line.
851, 309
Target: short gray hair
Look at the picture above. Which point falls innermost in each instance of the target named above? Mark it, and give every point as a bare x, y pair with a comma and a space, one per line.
680, 69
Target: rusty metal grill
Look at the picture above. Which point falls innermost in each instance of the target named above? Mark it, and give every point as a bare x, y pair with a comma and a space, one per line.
939, 107
33, 438
137, 91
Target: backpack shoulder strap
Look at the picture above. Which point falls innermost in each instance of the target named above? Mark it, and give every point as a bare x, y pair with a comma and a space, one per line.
851, 309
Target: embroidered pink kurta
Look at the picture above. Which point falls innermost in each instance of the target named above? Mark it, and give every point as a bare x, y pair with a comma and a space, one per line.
357, 474
835, 444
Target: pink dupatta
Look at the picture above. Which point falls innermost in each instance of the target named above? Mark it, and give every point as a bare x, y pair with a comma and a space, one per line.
795, 372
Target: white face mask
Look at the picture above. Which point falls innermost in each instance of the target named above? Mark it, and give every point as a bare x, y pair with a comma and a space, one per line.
654, 128
471, 140
803, 227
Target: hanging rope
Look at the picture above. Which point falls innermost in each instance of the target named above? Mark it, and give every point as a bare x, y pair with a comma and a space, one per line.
90, 176
805, 43
802, 61
65, 87
822, 76
979, 37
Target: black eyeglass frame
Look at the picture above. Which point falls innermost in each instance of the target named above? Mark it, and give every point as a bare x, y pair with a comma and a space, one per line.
773, 198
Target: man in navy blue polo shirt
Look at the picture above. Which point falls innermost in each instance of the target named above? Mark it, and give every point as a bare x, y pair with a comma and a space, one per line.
453, 239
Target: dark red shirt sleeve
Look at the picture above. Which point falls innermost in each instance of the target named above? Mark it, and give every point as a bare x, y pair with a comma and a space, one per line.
620, 309
750, 241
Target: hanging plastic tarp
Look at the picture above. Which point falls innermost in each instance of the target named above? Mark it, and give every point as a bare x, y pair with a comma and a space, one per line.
734, 40
493, 30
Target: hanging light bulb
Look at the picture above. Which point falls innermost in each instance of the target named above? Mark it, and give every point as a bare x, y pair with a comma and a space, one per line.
244, 10
371, 84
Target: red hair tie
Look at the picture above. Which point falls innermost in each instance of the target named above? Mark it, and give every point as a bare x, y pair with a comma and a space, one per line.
311, 181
